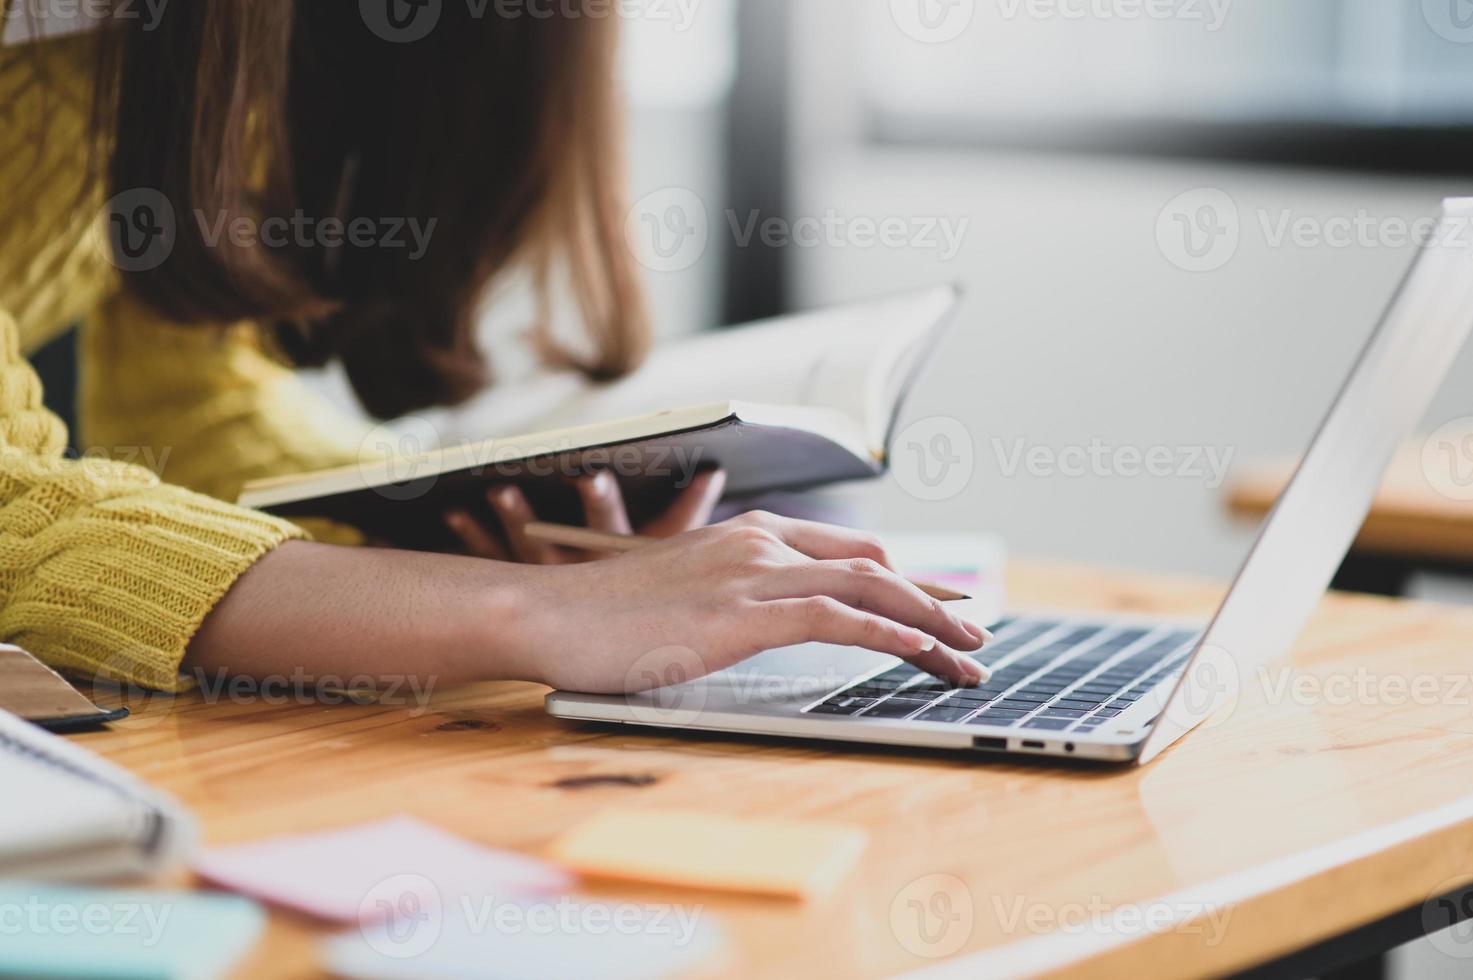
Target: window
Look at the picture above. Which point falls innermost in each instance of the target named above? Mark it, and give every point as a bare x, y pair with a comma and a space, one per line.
1156, 73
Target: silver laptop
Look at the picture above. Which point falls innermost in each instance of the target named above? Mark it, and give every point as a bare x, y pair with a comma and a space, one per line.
1114, 688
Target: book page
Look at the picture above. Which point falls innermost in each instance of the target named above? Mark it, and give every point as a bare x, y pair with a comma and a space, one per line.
868, 357
846, 358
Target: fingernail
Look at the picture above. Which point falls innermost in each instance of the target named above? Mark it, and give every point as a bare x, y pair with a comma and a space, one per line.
603, 483
978, 633
928, 643
974, 671
500, 497
455, 520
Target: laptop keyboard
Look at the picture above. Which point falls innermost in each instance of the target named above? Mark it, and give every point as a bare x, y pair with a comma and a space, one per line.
1046, 674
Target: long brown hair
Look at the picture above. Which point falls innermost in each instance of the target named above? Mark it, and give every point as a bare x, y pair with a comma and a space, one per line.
498, 131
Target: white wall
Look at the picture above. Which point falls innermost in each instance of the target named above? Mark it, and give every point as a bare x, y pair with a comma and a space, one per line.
1077, 327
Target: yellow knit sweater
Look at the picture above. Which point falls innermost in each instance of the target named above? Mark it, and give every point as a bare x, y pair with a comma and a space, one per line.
105, 569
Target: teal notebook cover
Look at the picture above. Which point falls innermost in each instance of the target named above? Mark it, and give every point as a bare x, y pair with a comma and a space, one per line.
52, 931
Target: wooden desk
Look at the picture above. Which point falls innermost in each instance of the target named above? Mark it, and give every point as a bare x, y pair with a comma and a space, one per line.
1415, 523
1283, 825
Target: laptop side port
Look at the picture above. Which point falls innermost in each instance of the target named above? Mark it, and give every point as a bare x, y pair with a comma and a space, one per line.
989, 742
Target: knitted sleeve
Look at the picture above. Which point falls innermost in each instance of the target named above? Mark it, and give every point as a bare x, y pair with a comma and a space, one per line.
207, 409
103, 569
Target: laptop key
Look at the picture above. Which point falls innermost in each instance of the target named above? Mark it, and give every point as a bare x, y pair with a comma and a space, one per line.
841, 706
933, 686
1109, 712
1053, 724
945, 712
894, 708
1002, 719
1008, 714
1052, 712
966, 697
827, 709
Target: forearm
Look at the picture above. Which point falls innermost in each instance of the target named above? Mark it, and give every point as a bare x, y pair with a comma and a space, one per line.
324, 610
674, 611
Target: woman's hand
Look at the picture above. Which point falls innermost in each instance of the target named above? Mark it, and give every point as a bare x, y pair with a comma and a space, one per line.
603, 506
672, 611
710, 598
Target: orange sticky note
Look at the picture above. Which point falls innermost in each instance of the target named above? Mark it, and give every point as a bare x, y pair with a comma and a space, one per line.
794, 859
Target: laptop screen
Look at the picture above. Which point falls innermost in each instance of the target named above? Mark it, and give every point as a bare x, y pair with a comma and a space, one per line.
1307, 534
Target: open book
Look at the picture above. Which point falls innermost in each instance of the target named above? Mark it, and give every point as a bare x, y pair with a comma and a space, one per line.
782, 404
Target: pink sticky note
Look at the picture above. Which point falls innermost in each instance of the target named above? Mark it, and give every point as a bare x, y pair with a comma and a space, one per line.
371, 871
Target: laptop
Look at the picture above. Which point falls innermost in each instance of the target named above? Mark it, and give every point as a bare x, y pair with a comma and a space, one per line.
1107, 688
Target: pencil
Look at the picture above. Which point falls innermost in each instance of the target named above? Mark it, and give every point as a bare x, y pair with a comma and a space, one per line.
587, 539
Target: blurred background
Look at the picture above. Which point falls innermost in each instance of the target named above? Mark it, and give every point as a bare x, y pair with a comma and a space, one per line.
1070, 146
1176, 221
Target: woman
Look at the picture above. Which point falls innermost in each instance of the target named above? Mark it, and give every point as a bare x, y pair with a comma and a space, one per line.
144, 158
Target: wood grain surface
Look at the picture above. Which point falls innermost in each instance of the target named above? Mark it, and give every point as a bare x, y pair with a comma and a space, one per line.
1334, 792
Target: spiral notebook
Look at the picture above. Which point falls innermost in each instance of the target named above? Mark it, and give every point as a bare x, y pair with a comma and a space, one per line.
71, 815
